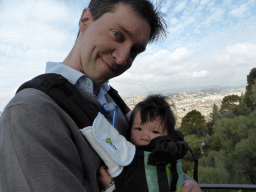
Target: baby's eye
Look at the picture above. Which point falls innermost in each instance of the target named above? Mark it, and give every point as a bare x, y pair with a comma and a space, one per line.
139, 129
155, 132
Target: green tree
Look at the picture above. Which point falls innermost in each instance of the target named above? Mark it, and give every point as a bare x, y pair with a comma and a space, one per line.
215, 114
211, 175
212, 168
209, 126
244, 153
231, 99
230, 131
230, 106
235, 138
251, 78
192, 123
250, 81
245, 156
253, 95
215, 144
241, 110
194, 142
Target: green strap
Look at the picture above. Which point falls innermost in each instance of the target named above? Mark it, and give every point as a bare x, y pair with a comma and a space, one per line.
151, 175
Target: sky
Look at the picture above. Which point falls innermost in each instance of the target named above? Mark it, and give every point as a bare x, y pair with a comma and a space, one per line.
209, 43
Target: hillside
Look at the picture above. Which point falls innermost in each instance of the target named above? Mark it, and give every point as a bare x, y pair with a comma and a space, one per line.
201, 100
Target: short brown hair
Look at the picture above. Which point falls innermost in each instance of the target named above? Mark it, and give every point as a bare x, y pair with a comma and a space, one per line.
143, 7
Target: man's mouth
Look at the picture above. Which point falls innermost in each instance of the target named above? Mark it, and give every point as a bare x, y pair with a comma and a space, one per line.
111, 66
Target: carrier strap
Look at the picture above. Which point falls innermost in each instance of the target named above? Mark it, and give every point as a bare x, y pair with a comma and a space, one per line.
177, 149
175, 176
168, 149
67, 96
195, 174
118, 100
162, 178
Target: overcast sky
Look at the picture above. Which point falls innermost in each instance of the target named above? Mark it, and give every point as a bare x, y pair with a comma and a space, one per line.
210, 42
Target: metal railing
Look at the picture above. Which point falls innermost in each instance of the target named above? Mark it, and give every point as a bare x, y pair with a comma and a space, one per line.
243, 187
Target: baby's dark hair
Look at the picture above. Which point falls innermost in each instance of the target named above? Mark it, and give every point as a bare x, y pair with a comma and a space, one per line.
155, 106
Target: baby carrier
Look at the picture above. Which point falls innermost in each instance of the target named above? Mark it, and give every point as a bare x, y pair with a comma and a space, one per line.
157, 162
157, 166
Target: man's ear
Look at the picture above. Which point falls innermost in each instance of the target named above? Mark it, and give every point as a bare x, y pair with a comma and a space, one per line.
85, 19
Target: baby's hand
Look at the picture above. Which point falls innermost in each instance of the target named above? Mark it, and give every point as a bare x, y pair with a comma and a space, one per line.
190, 186
105, 177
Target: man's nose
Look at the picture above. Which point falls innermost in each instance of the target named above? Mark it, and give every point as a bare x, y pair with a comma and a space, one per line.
122, 54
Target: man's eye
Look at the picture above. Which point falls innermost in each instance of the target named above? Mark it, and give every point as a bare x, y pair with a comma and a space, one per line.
118, 35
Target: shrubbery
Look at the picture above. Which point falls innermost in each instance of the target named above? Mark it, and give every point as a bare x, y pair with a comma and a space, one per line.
228, 154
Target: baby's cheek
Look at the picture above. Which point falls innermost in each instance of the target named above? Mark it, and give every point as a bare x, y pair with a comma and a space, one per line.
133, 138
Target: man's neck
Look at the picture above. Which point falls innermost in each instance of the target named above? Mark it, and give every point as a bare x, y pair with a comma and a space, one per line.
72, 60
96, 89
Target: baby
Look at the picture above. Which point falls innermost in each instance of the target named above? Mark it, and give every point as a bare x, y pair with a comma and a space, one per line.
150, 118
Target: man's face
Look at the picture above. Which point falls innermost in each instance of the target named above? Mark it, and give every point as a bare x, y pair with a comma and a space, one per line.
142, 134
109, 45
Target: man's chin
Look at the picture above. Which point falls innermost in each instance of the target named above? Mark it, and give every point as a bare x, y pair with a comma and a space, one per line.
103, 79
107, 77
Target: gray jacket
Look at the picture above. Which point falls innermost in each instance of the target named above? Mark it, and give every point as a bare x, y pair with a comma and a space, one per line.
42, 149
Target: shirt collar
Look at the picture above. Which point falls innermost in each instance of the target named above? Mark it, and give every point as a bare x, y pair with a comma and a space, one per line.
75, 77
69, 73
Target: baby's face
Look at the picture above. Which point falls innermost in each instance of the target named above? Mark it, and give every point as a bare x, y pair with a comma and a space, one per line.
142, 134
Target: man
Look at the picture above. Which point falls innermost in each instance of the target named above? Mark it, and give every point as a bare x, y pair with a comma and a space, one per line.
41, 147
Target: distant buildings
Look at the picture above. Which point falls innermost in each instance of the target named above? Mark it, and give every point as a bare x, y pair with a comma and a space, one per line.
200, 100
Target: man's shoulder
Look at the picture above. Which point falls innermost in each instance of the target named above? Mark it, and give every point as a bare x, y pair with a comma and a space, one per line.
31, 97
37, 106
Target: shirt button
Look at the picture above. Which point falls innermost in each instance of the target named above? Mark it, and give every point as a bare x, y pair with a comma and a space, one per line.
88, 83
